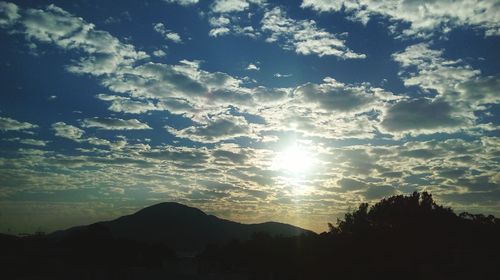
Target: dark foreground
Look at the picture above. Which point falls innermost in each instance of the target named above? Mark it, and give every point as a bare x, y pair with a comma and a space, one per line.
401, 237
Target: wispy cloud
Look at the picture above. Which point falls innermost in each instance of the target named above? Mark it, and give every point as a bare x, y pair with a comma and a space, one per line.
303, 36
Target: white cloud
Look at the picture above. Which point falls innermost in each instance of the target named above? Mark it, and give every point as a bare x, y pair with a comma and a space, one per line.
230, 6
303, 36
28, 141
166, 33
7, 124
183, 2
114, 124
330, 110
424, 17
252, 67
219, 21
9, 13
128, 105
279, 75
453, 90
76, 134
226, 6
68, 131
453, 80
34, 142
219, 31
105, 53
222, 26
159, 53
433, 71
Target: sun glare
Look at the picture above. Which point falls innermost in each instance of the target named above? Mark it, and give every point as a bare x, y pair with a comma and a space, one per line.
295, 160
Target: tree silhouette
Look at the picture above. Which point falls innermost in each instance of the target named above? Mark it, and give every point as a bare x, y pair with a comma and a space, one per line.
400, 237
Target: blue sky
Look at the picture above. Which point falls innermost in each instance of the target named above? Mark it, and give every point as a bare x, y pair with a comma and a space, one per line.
253, 110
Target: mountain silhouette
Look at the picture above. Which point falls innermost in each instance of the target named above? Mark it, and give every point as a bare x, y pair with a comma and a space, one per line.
180, 227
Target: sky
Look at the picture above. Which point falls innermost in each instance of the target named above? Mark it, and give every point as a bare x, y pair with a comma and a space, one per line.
252, 110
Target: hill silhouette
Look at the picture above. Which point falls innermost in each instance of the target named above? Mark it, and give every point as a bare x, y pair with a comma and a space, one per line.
400, 237
182, 228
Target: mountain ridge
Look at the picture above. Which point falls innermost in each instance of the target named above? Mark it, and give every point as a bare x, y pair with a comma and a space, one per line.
181, 227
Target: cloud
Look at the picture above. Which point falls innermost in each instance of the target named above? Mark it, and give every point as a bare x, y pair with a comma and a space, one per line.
266, 95
182, 156
235, 156
34, 142
349, 184
335, 96
378, 192
215, 129
226, 6
219, 31
219, 21
303, 36
8, 124
54, 25
159, 53
182, 81
128, 105
114, 124
9, 13
183, 2
433, 72
479, 92
166, 33
279, 75
230, 6
29, 141
421, 116
424, 17
252, 67
344, 100
68, 131
122, 69
76, 134
458, 90
329, 110
224, 25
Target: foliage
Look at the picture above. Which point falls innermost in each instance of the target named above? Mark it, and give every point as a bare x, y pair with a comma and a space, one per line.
400, 237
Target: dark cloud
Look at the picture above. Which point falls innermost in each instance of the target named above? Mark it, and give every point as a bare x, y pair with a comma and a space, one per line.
420, 153
419, 114
377, 192
264, 94
334, 96
348, 184
180, 156
216, 129
239, 158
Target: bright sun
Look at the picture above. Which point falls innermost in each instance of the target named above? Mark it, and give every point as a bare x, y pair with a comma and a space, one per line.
295, 159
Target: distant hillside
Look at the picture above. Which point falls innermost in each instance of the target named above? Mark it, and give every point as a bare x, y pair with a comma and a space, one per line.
181, 227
